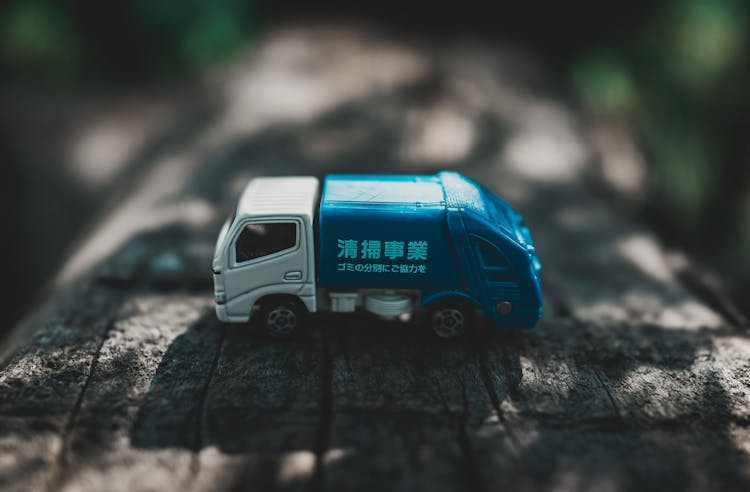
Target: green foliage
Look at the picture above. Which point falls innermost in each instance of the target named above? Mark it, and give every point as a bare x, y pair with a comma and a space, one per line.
701, 42
38, 40
604, 83
194, 33
48, 40
681, 83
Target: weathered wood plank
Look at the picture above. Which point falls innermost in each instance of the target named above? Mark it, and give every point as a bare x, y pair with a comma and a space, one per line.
630, 381
42, 388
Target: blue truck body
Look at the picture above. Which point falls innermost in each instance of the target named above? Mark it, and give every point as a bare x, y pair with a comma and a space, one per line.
443, 235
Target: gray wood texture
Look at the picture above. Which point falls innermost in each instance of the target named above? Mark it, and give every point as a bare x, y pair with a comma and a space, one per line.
124, 380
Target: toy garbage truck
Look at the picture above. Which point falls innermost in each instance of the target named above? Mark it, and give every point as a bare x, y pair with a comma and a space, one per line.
387, 244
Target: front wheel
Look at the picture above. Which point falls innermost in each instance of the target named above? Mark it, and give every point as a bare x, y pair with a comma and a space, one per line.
451, 319
282, 319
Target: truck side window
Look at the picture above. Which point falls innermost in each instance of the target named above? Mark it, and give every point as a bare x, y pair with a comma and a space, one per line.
490, 256
258, 240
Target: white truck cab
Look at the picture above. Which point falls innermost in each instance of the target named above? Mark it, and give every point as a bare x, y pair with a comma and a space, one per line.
267, 248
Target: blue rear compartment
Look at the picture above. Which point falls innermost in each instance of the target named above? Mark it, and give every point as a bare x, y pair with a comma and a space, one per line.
421, 232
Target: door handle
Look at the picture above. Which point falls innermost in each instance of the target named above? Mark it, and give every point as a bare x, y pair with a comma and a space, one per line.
294, 275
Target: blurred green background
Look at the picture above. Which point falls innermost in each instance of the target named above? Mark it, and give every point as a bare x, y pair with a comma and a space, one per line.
673, 73
75, 42
680, 83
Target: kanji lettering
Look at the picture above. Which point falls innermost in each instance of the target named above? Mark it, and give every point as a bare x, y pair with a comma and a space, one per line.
347, 248
416, 250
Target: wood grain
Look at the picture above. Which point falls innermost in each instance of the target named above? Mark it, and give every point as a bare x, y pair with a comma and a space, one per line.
632, 381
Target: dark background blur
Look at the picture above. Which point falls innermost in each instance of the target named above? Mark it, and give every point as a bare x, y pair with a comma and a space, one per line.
673, 74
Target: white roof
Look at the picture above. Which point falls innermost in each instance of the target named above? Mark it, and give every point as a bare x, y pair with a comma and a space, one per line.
295, 195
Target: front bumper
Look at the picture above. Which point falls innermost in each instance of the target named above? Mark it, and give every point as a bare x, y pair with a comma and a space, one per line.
221, 312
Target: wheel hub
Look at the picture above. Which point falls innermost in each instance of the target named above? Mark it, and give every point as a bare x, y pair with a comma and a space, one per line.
448, 323
281, 321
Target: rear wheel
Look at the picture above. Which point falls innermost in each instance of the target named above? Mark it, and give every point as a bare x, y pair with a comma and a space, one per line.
451, 318
282, 319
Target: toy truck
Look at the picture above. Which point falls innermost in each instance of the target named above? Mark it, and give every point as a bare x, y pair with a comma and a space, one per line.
388, 244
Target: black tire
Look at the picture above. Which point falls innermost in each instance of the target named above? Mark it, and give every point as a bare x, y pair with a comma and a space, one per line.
282, 318
451, 318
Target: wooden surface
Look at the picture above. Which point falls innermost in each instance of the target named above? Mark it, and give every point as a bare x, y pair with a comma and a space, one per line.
124, 379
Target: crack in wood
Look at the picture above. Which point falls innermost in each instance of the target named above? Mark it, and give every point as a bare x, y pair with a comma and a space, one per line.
471, 474
323, 433
610, 397
198, 438
599, 377
62, 469
471, 467
489, 387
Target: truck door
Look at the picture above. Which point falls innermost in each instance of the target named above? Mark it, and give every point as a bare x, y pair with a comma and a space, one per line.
265, 256
499, 284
